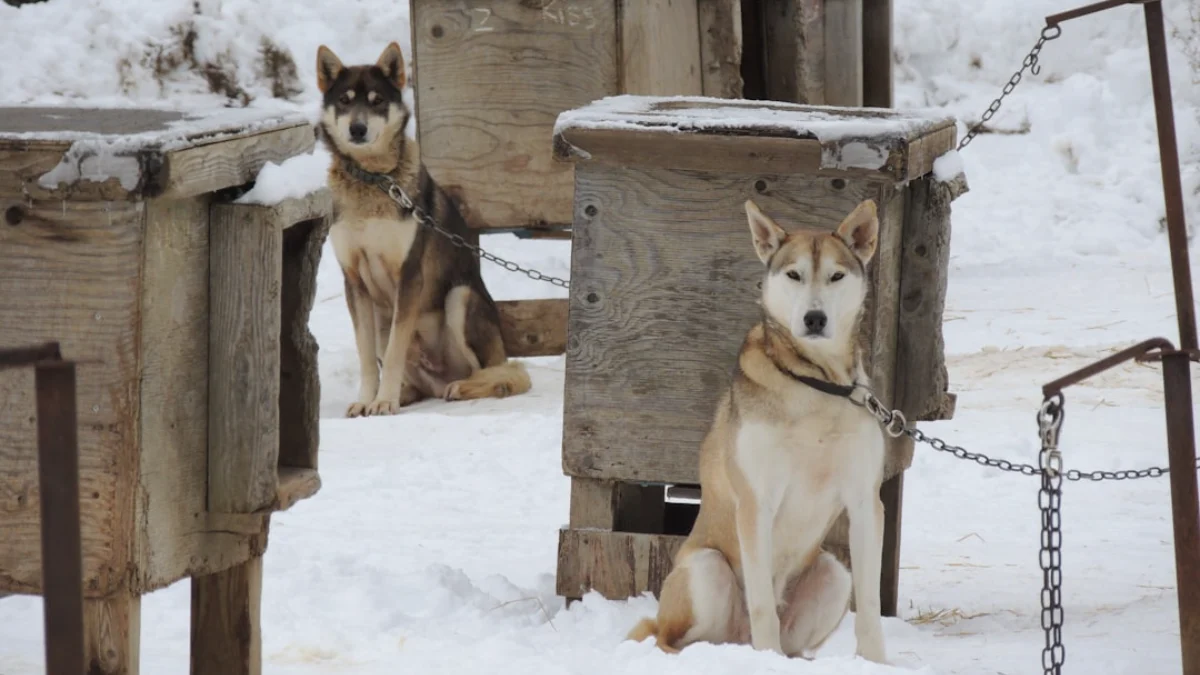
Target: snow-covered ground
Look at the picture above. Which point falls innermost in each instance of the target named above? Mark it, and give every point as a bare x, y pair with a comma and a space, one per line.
431, 547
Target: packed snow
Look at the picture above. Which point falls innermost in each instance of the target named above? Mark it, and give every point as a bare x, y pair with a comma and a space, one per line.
431, 547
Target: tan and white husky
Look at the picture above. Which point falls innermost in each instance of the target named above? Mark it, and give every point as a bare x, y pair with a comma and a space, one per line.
786, 452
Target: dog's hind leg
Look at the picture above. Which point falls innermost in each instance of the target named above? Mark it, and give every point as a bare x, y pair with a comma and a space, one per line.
815, 600
700, 601
491, 373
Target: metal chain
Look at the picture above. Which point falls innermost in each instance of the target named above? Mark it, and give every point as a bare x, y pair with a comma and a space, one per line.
404, 201
895, 425
1050, 418
1031, 64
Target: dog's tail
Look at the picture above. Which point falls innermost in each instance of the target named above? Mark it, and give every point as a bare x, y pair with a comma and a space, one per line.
649, 627
506, 379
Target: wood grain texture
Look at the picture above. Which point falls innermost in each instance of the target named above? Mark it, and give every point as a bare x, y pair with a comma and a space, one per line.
721, 47
205, 158
214, 166
491, 77
226, 621
843, 52
299, 380
295, 485
891, 494
612, 505
877, 83
245, 278
618, 565
794, 50
534, 327
71, 273
882, 145
640, 383
660, 48
922, 379
175, 534
112, 634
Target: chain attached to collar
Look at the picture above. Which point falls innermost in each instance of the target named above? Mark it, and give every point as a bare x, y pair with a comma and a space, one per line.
406, 207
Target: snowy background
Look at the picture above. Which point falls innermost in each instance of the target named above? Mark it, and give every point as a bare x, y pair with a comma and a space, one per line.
431, 547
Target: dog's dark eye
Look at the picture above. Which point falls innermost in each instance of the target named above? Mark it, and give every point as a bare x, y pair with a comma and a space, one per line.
837, 276
793, 275
345, 99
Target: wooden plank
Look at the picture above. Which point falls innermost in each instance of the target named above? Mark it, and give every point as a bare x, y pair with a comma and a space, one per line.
921, 378
794, 50
215, 166
843, 52
72, 273
771, 136
176, 536
660, 48
609, 505
618, 565
295, 485
491, 77
637, 410
877, 83
73, 147
113, 634
720, 47
245, 277
534, 327
299, 380
226, 621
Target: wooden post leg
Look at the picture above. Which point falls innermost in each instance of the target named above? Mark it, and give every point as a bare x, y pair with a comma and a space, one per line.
112, 629
226, 632
892, 495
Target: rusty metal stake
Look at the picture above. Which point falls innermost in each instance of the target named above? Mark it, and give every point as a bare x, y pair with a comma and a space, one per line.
1177, 382
58, 478
58, 483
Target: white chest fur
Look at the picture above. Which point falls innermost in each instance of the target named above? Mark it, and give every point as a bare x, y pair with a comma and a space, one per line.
372, 251
802, 471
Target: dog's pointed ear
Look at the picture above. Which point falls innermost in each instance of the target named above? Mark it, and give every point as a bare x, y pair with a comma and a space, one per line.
391, 62
329, 66
768, 236
860, 230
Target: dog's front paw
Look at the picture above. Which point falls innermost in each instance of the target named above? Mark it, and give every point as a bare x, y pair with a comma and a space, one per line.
357, 409
382, 406
872, 651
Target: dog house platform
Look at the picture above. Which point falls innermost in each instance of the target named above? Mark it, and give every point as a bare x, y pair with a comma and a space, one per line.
664, 286
197, 390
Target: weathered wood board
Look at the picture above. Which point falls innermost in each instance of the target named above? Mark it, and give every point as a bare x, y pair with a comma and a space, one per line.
491, 76
668, 259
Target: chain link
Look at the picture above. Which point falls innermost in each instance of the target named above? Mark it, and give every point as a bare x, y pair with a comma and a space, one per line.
404, 201
1031, 64
1050, 419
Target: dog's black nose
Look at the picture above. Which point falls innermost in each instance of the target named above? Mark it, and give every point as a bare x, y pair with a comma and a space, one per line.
358, 131
814, 321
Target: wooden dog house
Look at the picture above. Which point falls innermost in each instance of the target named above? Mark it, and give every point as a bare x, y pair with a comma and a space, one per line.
664, 288
197, 377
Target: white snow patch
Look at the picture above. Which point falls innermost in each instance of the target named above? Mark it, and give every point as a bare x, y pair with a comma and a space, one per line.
853, 155
96, 162
699, 114
296, 177
948, 166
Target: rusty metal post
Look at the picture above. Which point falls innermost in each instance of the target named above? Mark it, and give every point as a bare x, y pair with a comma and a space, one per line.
58, 480
1177, 386
1181, 445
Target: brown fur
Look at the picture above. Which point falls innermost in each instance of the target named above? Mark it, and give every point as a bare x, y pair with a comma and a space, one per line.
770, 407
425, 323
